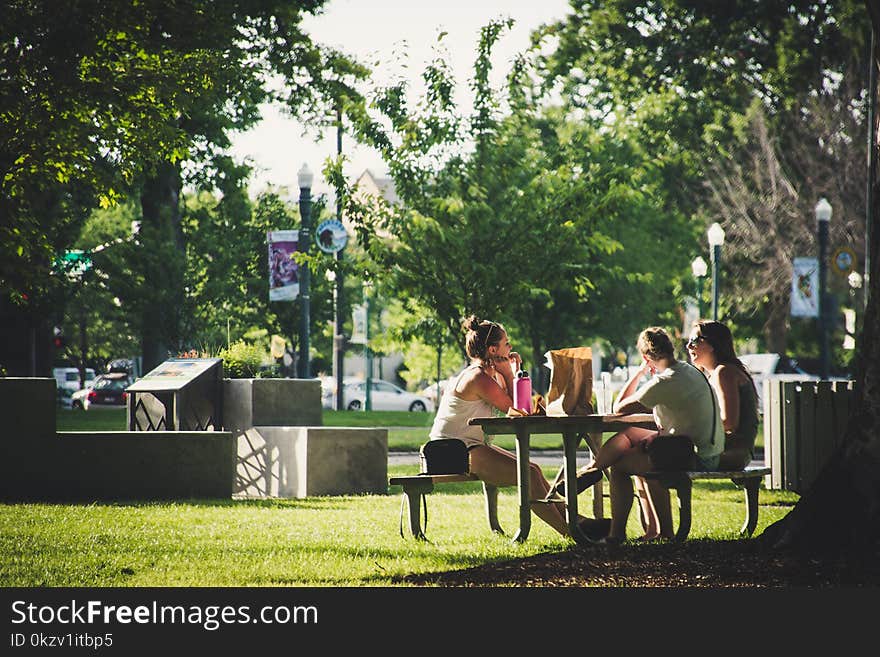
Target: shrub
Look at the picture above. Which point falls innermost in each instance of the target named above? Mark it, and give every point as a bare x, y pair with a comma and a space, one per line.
242, 360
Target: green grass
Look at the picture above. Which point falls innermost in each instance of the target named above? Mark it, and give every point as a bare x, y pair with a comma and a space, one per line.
319, 541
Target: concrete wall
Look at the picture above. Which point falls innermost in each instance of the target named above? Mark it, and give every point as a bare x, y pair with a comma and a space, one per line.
307, 461
139, 465
36, 462
273, 445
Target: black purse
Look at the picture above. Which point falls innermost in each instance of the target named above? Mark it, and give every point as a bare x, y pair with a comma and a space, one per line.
444, 456
672, 452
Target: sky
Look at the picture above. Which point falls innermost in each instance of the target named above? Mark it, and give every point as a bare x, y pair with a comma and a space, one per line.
379, 30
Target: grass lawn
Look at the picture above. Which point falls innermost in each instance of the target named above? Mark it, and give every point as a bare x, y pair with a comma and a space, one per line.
320, 541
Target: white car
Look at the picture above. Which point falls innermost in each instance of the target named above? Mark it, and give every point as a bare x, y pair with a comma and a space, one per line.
67, 382
384, 396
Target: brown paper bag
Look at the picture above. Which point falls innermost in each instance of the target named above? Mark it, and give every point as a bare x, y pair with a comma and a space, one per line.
571, 381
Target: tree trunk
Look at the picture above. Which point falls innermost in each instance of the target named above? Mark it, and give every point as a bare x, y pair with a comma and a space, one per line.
776, 327
164, 255
841, 511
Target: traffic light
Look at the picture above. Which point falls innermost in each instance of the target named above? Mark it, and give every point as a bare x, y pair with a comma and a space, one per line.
58, 339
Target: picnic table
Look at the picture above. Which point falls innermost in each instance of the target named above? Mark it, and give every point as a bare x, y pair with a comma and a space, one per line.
573, 429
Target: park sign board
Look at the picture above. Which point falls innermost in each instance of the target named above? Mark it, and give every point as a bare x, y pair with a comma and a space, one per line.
173, 374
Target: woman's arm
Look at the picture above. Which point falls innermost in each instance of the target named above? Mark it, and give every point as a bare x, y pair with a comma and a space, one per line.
627, 401
488, 389
727, 388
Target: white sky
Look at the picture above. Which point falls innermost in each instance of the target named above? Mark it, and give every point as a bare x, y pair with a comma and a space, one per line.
374, 30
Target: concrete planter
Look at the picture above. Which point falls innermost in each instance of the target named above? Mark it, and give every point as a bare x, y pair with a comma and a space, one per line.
285, 451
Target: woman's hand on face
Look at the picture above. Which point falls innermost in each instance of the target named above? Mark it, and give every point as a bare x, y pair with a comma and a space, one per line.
515, 360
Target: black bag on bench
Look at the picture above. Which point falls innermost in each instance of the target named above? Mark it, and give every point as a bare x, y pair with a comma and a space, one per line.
670, 452
444, 456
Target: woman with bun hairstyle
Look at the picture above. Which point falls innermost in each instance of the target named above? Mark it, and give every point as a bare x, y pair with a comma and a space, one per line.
711, 349
485, 385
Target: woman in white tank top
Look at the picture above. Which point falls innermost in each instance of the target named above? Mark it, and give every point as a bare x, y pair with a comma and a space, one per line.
484, 386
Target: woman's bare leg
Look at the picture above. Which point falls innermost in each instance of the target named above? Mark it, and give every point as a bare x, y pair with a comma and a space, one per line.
633, 462
659, 497
648, 515
618, 445
498, 467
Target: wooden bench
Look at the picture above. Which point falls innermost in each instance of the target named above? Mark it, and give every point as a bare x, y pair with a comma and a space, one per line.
418, 486
748, 479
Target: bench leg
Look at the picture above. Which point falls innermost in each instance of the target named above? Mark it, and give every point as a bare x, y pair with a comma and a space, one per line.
413, 493
751, 487
491, 494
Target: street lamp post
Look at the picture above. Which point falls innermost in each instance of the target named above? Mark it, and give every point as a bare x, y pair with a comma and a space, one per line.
716, 239
855, 283
331, 278
823, 218
368, 353
305, 178
699, 269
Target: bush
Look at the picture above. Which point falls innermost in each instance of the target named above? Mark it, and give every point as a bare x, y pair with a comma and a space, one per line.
242, 360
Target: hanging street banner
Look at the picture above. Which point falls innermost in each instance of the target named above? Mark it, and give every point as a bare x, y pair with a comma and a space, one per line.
331, 236
283, 275
805, 287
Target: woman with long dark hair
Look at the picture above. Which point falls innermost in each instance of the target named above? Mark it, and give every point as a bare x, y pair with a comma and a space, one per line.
711, 348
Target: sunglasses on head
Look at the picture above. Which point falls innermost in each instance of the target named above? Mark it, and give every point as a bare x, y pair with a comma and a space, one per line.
694, 341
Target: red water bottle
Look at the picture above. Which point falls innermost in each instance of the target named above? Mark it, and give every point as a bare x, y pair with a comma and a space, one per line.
522, 392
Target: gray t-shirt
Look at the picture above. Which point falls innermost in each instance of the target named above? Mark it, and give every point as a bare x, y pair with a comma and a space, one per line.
684, 403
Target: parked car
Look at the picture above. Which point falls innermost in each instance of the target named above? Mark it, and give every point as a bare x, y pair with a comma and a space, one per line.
106, 391
430, 391
67, 382
384, 396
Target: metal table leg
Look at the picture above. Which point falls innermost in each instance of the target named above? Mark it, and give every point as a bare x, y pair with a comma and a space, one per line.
522, 484
570, 442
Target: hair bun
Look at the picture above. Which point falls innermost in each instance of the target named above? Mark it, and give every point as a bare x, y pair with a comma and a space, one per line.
471, 323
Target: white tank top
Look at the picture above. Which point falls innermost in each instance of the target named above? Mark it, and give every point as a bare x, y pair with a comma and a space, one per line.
452, 418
